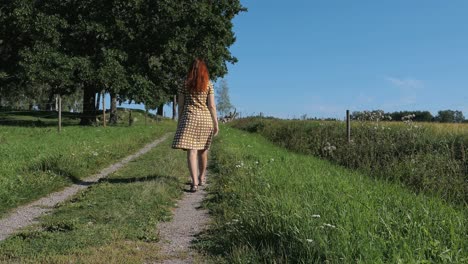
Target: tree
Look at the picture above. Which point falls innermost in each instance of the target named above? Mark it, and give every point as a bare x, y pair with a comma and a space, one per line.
223, 105
449, 116
459, 117
420, 116
137, 50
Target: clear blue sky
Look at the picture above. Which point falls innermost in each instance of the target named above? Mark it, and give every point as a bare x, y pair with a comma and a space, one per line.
321, 57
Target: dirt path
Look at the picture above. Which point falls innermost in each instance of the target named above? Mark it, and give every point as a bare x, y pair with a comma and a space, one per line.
178, 234
26, 215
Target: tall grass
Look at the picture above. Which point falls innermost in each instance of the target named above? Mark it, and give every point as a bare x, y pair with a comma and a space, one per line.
274, 206
35, 161
424, 157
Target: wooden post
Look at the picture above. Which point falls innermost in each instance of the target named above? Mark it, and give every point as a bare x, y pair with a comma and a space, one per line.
174, 107
146, 114
103, 109
130, 119
59, 113
348, 126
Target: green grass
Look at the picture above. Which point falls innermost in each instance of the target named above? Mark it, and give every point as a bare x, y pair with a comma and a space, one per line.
425, 157
113, 221
274, 206
35, 161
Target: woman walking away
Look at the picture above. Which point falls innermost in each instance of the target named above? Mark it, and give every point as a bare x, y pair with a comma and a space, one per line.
198, 122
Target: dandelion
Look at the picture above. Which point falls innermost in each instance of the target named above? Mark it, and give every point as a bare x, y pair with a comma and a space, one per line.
256, 162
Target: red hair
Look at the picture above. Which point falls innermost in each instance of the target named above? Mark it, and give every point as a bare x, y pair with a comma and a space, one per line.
198, 77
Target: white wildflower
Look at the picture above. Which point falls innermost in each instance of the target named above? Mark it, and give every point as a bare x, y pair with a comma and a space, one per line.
309, 240
315, 216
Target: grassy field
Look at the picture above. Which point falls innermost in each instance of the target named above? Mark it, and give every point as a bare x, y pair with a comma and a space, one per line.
113, 221
35, 160
274, 206
426, 157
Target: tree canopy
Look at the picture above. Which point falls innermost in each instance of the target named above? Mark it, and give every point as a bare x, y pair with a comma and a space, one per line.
137, 49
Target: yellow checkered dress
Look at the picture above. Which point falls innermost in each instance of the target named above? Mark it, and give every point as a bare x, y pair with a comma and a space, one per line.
195, 128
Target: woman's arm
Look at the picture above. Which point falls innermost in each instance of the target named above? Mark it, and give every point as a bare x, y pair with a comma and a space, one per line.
214, 116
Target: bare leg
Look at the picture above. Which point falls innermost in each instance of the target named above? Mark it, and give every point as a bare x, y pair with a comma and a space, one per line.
192, 165
202, 163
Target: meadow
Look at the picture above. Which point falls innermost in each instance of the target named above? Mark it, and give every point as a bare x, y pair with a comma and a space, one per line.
35, 159
271, 205
113, 221
425, 157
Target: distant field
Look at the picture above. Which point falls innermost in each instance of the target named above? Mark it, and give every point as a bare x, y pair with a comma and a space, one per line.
36, 160
426, 157
274, 206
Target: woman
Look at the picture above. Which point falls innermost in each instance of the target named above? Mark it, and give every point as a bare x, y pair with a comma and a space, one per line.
198, 121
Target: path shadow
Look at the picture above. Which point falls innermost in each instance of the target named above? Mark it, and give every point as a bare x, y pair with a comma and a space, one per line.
153, 177
38, 118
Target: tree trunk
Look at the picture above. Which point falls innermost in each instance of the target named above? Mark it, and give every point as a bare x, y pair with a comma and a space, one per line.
113, 109
174, 107
160, 111
50, 103
98, 100
88, 116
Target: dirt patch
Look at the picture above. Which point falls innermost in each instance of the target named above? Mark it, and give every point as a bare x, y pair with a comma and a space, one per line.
189, 219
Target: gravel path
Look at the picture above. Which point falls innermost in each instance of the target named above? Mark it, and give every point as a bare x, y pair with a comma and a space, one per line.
27, 214
178, 234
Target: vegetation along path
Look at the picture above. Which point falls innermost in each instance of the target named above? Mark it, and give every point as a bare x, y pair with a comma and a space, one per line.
26, 215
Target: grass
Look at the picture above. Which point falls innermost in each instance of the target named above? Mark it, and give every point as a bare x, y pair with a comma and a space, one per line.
35, 161
113, 221
425, 157
274, 206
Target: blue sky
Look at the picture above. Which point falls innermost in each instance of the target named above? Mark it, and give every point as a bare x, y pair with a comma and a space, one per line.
321, 57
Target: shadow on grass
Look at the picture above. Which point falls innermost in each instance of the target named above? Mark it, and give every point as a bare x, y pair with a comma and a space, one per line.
38, 118
154, 177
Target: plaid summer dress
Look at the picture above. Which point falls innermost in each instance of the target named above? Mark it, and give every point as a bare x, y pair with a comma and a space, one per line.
195, 128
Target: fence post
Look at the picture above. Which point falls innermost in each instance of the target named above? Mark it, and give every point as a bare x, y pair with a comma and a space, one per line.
348, 126
130, 119
146, 114
59, 113
103, 108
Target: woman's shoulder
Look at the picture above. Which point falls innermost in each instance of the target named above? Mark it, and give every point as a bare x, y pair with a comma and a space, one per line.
210, 87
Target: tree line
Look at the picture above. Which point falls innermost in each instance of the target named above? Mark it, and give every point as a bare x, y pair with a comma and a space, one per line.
443, 116
134, 50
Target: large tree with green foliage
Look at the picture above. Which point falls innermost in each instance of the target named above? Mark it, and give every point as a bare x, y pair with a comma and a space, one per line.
135, 50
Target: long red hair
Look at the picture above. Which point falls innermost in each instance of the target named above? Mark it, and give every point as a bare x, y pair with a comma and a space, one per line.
198, 77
